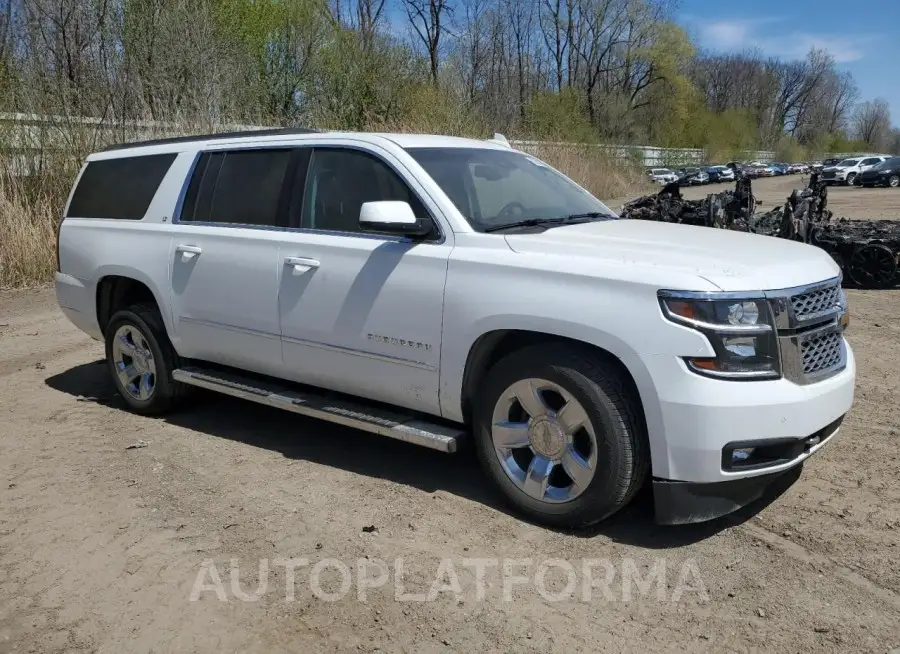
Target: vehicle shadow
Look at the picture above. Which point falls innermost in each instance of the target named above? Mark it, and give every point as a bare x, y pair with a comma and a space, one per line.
298, 437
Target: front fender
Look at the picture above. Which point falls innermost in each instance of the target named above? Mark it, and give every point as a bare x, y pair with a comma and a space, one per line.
453, 365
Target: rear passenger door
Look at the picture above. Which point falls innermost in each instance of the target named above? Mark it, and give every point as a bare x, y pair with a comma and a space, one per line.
224, 258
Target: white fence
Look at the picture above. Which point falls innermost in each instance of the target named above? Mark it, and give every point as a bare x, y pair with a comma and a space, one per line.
26, 138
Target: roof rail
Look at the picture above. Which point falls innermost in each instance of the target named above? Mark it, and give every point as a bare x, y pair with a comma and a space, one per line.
280, 131
499, 138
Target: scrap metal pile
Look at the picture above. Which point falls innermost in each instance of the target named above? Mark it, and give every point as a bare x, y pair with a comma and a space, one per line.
866, 250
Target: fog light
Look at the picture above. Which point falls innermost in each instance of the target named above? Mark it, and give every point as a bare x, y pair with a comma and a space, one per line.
741, 454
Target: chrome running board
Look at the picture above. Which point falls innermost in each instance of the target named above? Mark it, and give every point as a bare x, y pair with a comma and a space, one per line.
357, 415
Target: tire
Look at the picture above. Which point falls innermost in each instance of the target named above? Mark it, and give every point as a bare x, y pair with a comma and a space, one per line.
851, 179
894, 181
130, 335
612, 449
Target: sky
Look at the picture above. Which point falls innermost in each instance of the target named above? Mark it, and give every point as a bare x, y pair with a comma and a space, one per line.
863, 36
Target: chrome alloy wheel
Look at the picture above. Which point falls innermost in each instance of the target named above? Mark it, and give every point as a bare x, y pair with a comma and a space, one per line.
544, 440
134, 362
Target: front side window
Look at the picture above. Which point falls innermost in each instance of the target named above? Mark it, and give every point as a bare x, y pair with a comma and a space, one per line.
492, 188
240, 187
340, 181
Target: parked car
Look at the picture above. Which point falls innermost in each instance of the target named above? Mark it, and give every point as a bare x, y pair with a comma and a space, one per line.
827, 163
816, 166
846, 171
435, 289
780, 168
752, 171
886, 173
693, 177
736, 166
795, 168
662, 175
720, 174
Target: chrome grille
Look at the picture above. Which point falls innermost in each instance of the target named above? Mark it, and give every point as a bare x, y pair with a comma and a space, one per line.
808, 306
810, 339
821, 353
828, 175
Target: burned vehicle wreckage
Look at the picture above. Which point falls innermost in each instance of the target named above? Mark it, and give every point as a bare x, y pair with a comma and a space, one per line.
866, 250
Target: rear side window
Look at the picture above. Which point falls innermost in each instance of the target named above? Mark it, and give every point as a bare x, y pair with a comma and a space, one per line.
242, 187
119, 188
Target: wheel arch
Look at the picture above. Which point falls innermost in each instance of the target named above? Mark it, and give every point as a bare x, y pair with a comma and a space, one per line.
118, 288
493, 345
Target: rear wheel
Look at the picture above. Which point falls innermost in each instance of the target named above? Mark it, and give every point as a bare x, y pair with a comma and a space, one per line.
141, 360
561, 435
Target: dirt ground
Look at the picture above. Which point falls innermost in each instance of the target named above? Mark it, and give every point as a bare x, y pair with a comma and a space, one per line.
101, 545
845, 201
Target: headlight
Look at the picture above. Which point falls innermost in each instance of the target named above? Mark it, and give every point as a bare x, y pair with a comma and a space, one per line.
740, 331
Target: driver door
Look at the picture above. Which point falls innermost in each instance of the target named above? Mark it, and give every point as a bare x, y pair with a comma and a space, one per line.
361, 313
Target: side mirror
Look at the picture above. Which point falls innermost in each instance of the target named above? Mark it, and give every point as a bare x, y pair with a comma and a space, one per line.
391, 217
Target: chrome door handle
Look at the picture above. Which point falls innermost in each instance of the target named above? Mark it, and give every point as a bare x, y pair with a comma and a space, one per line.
301, 264
188, 251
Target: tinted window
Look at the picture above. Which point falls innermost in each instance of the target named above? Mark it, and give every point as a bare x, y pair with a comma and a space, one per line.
340, 181
869, 162
240, 187
492, 187
119, 188
887, 164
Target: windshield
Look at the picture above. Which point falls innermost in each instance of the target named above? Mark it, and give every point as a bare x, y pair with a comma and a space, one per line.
848, 162
492, 188
893, 162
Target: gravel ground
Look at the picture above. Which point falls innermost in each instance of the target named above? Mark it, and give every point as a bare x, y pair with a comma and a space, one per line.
108, 520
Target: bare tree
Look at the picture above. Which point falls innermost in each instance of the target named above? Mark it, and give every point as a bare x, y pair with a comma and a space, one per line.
872, 123
428, 19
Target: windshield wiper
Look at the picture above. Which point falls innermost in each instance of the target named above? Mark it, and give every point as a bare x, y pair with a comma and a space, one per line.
550, 222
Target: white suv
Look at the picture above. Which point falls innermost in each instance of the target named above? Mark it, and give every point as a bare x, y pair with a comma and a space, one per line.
436, 289
848, 170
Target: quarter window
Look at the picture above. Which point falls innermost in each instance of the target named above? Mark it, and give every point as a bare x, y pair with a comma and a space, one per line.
339, 181
119, 188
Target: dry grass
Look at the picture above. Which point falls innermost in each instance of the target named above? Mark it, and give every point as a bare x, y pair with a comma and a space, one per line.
27, 236
30, 207
608, 179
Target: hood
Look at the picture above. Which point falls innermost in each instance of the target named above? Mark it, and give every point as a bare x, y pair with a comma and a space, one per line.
654, 251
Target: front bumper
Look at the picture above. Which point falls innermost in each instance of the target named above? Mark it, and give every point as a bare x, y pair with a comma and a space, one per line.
684, 502
699, 417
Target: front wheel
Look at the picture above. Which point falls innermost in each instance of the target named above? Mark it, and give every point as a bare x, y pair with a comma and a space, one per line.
851, 179
561, 435
894, 181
